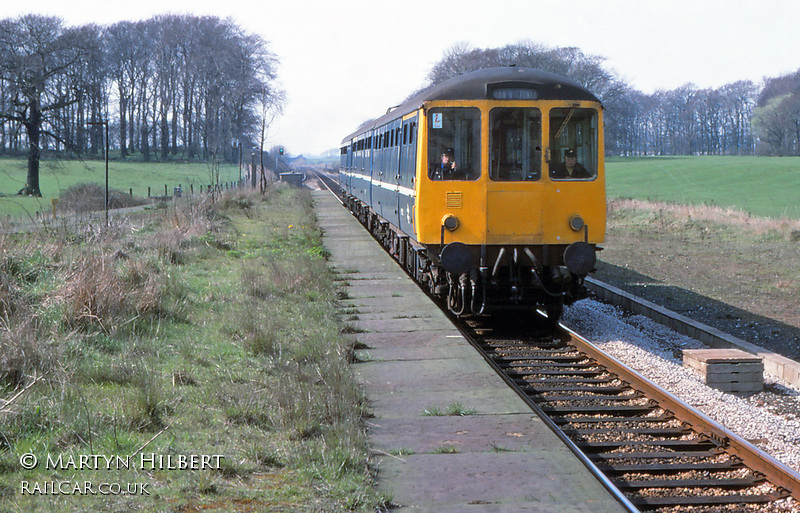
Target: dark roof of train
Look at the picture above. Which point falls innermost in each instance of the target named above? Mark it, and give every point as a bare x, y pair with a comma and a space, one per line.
475, 86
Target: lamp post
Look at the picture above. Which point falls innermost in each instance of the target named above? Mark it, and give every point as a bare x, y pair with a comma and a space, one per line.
105, 124
253, 168
238, 145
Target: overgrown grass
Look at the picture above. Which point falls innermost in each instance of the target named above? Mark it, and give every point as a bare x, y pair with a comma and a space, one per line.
761, 186
699, 218
204, 330
677, 255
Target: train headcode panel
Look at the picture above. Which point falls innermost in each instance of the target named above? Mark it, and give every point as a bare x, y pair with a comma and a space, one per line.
489, 188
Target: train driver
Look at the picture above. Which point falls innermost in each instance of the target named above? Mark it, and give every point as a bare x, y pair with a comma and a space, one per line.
445, 169
569, 168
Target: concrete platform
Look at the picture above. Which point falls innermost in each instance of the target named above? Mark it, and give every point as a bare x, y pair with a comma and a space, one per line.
496, 457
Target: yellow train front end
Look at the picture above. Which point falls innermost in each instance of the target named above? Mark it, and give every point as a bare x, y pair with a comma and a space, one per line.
510, 197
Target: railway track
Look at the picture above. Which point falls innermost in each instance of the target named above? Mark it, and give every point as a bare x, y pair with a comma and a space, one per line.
659, 453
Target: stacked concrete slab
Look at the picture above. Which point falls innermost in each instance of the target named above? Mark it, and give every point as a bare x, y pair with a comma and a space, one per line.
728, 370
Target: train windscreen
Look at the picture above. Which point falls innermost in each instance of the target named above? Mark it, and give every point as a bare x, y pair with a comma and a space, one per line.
573, 144
515, 153
454, 143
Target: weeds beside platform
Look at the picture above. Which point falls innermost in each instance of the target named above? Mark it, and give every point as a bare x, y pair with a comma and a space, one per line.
197, 332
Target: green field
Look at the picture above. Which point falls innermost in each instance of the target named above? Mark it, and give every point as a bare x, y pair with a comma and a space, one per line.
56, 176
762, 186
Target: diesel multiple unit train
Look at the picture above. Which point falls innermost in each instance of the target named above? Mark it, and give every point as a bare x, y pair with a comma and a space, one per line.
489, 188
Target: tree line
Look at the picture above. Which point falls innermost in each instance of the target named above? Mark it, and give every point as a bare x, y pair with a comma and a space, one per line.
173, 86
188, 87
741, 118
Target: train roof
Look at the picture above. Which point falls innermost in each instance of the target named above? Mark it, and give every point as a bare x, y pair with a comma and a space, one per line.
480, 84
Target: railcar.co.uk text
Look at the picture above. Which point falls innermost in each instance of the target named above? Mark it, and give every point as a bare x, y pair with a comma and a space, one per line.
145, 462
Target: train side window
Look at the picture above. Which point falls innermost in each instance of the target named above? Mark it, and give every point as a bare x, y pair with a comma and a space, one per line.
515, 153
573, 144
454, 143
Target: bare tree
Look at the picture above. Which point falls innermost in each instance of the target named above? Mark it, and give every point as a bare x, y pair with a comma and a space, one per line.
457, 60
124, 51
37, 52
776, 118
183, 84
739, 102
271, 104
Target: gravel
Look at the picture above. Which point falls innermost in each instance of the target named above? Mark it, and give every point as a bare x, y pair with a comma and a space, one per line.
770, 419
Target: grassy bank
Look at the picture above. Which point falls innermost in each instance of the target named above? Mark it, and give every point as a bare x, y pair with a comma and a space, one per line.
719, 266
206, 335
762, 186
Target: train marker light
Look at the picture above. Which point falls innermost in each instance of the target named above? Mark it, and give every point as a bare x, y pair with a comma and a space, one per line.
450, 222
576, 223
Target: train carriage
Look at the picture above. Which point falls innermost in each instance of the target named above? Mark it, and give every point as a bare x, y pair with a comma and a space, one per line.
489, 188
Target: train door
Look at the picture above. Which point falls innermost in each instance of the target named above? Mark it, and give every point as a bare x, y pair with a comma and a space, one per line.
368, 167
386, 183
344, 164
362, 168
397, 170
379, 193
406, 176
514, 211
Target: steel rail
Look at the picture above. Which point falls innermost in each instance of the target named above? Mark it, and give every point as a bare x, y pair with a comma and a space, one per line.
777, 473
566, 440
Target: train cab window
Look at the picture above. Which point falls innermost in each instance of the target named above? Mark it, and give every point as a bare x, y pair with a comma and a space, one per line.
573, 144
454, 143
515, 152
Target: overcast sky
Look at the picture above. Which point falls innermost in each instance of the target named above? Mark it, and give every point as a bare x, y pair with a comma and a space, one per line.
343, 62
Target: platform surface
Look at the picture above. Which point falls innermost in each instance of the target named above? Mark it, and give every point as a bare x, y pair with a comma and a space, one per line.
496, 456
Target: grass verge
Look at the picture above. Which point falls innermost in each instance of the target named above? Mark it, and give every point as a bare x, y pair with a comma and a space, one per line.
722, 267
57, 176
192, 361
